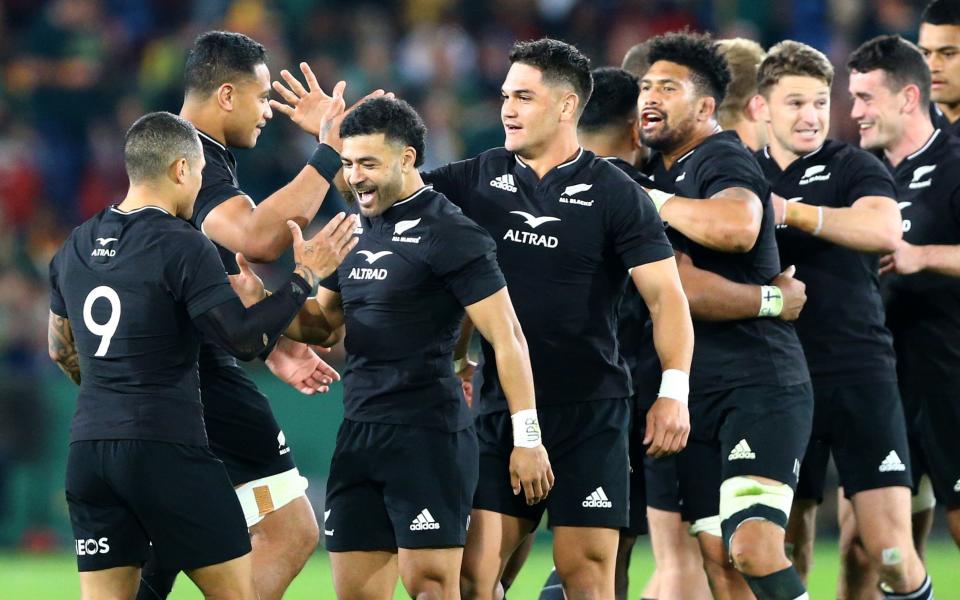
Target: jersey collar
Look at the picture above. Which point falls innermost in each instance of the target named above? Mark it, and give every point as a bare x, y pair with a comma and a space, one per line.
401, 208
555, 175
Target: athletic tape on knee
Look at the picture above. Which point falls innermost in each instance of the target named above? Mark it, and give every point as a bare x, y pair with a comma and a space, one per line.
924, 592
709, 525
924, 499
782, 585
744, 499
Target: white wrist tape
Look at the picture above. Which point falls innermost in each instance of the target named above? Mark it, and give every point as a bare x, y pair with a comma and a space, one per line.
675, 384
659, 198
819, 226
526, 428
771, 301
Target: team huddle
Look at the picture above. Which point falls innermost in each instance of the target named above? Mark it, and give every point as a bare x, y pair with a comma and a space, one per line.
688, 297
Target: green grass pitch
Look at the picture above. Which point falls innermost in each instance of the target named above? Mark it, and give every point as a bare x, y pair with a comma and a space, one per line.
54, 577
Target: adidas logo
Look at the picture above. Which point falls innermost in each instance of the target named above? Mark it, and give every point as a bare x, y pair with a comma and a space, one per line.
892, 463
742, 451
505, 183
424, 521
597, 499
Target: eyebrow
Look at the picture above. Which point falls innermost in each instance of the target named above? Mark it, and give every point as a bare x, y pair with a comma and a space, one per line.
360, 159
517, 91
940, 48
661, 80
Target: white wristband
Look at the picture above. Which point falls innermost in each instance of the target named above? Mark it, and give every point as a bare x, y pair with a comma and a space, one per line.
526, 428
659, 198
771, 301
675, 384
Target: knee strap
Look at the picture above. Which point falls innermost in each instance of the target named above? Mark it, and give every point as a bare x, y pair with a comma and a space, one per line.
744, 499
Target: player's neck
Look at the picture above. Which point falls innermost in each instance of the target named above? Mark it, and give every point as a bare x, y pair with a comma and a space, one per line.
205, 117
950, 111
605, 145
702, 132
916, 132
561, 149
747, 130
780, 154
139, 196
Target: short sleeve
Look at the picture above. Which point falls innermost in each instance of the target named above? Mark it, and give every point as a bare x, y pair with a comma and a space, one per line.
864, 175
218, 186
454, 180
464, 257
332, 282
724, 170
635, 227
57, 304
197, 278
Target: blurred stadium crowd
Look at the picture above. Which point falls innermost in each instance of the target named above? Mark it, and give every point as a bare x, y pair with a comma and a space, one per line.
74, 74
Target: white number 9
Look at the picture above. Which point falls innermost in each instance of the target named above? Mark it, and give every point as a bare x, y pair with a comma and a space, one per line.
104, 330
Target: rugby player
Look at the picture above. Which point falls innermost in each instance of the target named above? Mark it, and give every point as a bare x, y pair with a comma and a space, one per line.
227, 89
752, 405
939, 41
836, 207
610, 127
571, 229
890, 84
133, 292
405, 466
738, 111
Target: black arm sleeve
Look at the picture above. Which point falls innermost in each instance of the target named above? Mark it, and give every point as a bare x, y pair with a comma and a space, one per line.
246, 332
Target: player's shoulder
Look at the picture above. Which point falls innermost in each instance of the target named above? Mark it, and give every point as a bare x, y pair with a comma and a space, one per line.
629, 170
845, 155
722, 148
442, 214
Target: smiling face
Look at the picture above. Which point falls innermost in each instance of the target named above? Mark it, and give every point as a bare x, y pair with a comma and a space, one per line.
669, 102
876, 109
532, 110
373, 167
940, 45
797, 108
250, 108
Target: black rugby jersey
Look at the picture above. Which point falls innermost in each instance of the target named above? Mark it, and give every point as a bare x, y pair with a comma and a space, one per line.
403, 289
841, 326
634, 330
941, 121
565, 243
130, 284
923, 309
729, 354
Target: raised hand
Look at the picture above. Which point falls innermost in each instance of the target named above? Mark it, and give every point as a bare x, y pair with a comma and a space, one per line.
320, 256
311, 108
247, 284
298, 365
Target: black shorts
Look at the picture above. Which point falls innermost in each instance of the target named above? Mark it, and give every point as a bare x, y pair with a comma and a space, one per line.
757, 430
863, 426
937, 446
241, 428
661, 488
124, 494
587, 443
399, 486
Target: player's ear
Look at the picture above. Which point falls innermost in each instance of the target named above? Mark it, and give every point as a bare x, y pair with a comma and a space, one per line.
911, 98
758, 108
178, 170
226, 95
568, 110
408, 158
706, 108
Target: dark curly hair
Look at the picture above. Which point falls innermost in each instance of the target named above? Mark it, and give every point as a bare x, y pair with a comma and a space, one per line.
219, 56
697, 52
614, 99
900, 60
941, 12
559, 62
392, 117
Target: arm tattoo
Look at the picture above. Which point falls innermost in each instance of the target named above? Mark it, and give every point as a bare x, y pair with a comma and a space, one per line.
62, 348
